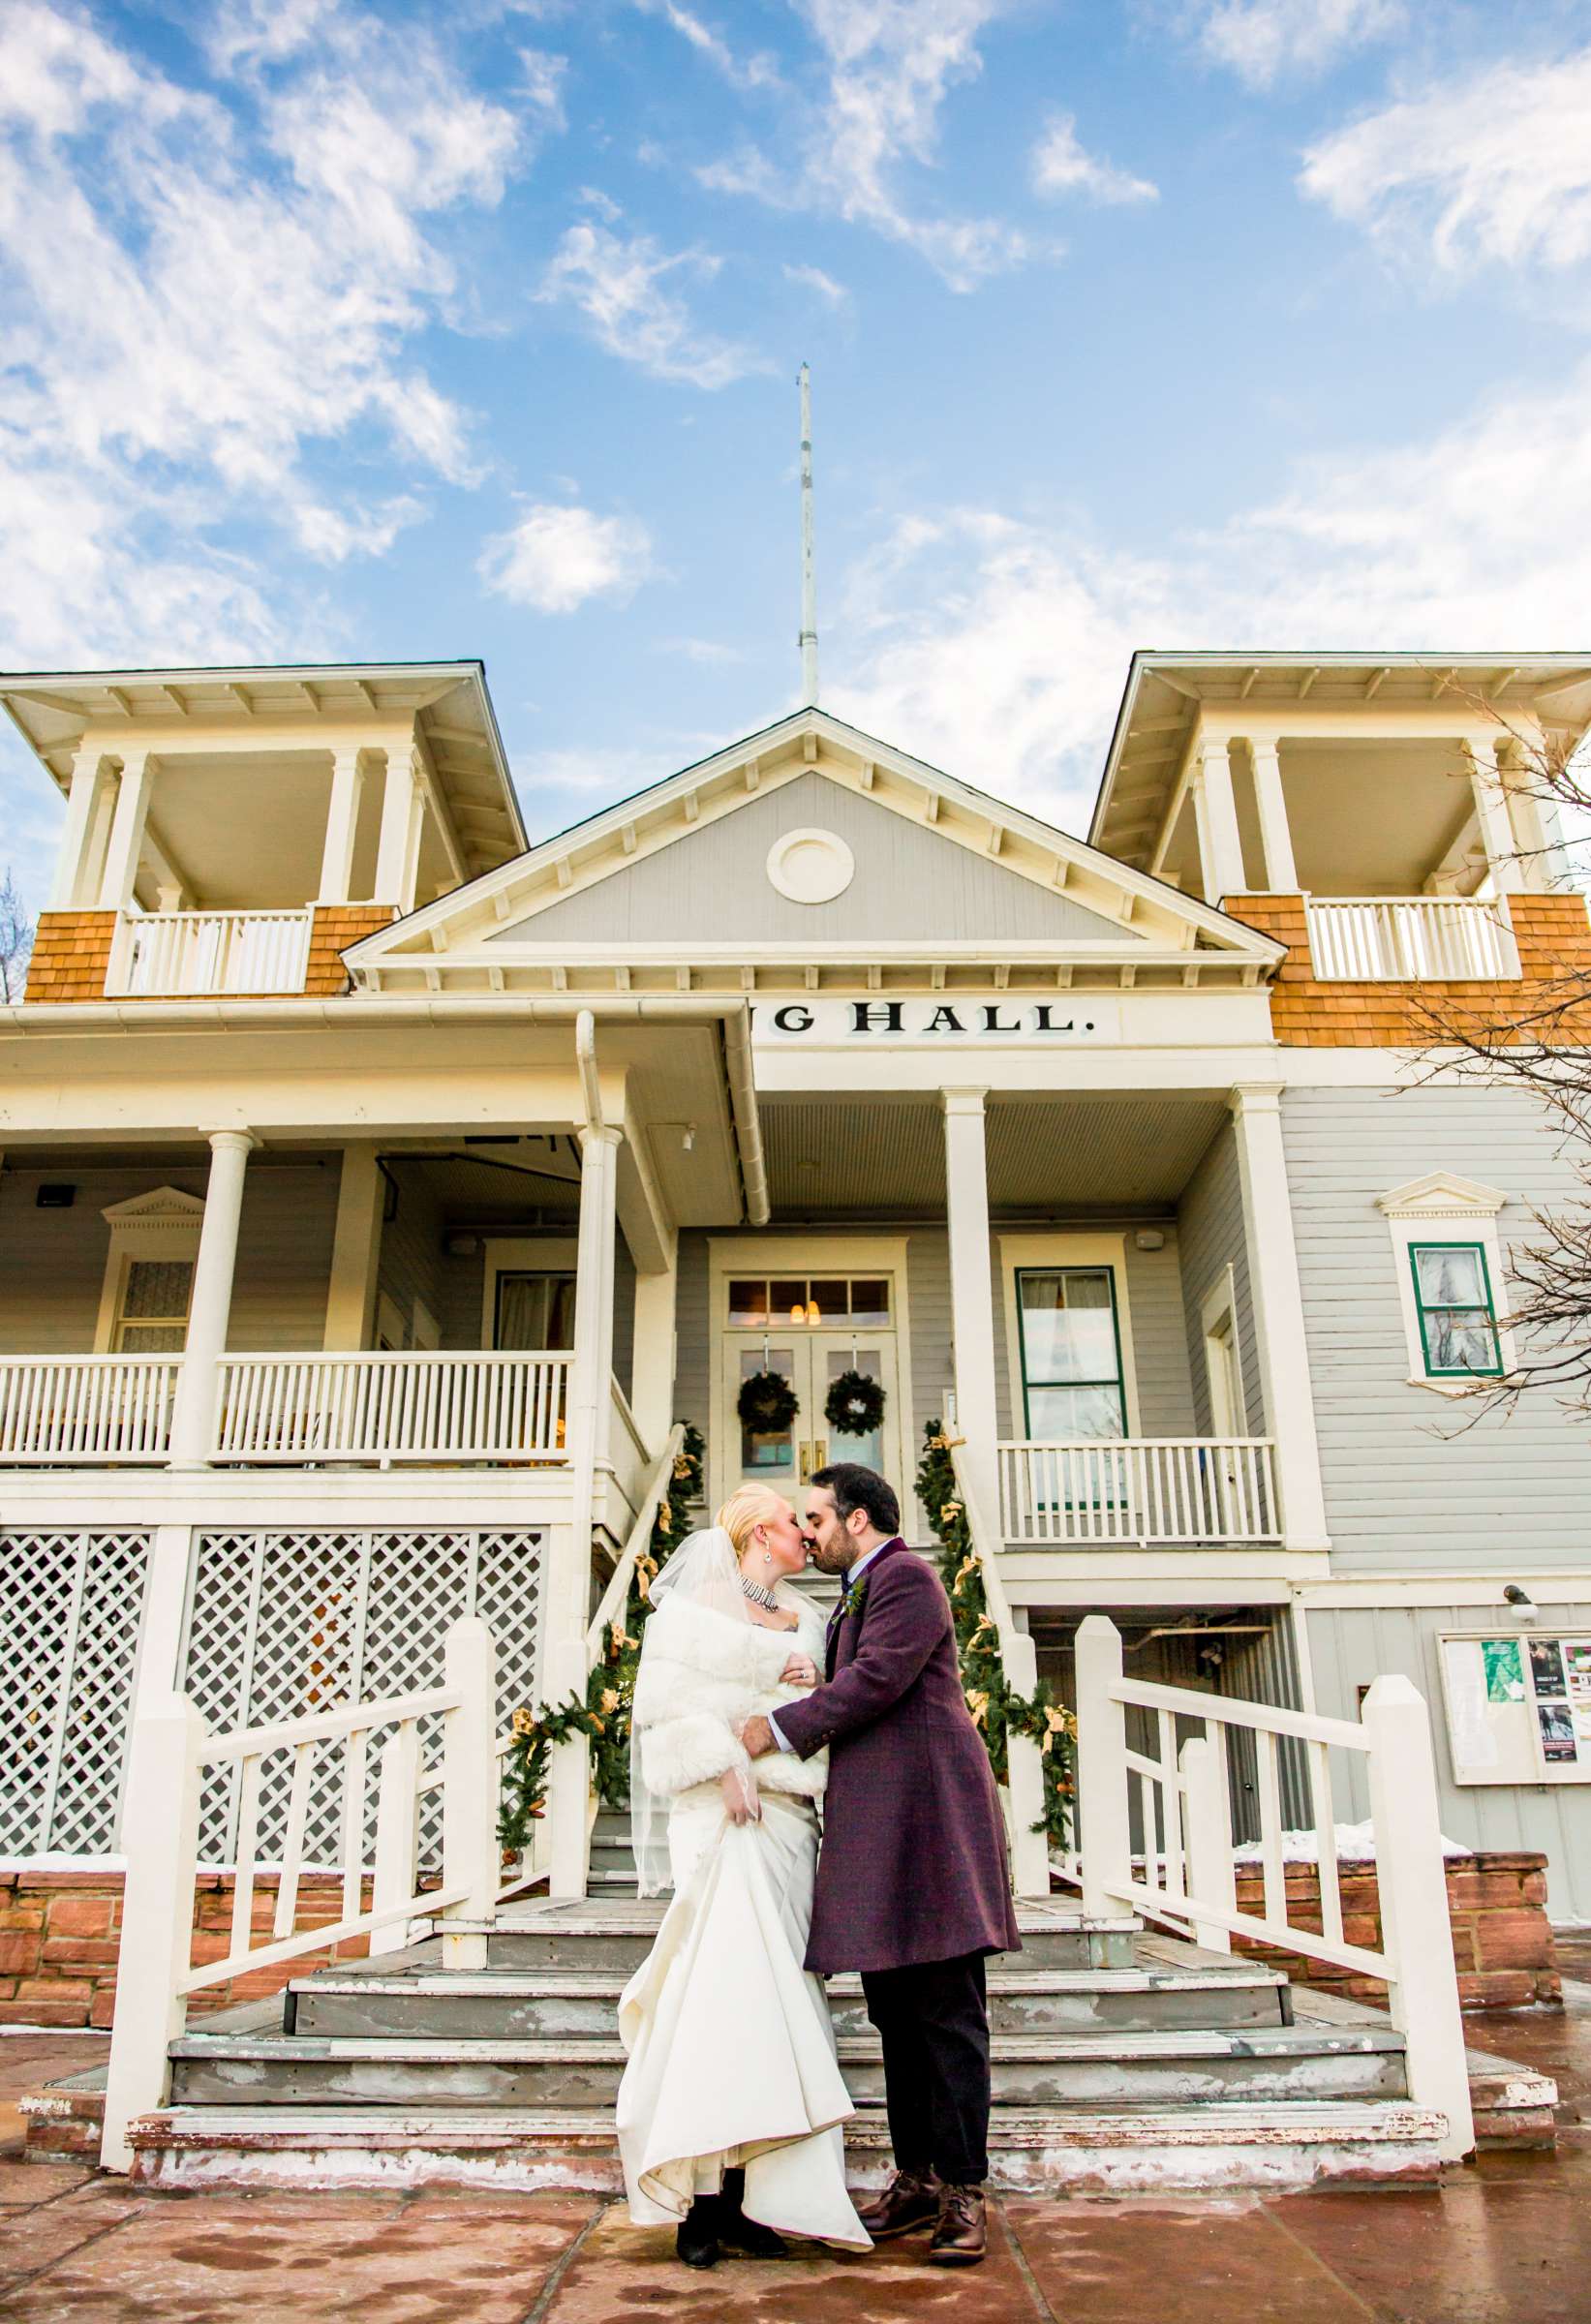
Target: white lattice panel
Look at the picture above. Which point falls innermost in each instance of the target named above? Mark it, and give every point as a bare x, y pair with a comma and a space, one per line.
284, 1623
70, 1609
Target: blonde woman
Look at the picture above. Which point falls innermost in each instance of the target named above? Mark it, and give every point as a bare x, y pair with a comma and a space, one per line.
730, 2110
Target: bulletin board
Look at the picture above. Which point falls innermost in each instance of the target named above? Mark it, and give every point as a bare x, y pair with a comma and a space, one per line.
1518, 1705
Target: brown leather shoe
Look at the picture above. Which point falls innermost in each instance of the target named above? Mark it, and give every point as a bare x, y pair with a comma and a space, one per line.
961, 2237
910, 2200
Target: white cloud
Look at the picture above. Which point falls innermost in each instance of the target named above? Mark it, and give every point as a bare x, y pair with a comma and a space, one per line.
203, 295
1265, 41
813, 278
623, 286
556, 558
1493, 167
890, 65
541, 84
997, 648
1060, 165
759, 71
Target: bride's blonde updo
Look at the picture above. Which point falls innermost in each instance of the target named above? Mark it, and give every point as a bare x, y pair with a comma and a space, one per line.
753, 1506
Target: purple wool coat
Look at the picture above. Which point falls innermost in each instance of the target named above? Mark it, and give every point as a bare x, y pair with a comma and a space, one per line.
913, 1862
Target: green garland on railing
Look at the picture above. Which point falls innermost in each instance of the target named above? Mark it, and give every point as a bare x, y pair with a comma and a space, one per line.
604, 1715
997, 1708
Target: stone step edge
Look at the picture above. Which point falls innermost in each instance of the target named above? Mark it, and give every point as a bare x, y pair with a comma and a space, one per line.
550, 1920
1313, 2123
559, 1984
1255, 2042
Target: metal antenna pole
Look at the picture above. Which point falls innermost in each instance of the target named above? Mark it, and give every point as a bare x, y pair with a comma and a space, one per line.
808, 581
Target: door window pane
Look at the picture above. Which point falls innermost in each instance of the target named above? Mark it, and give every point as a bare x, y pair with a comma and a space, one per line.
830, 1298
870, 1302
868, 1448
787, 1300
768, 1454
749, 1303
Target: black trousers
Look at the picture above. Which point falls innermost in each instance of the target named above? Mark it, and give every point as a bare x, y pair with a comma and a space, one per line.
933, 2021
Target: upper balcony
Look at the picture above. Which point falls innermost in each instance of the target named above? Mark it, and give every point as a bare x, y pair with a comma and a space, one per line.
231, 831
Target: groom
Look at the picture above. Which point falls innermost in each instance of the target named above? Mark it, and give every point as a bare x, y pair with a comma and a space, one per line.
912, 1885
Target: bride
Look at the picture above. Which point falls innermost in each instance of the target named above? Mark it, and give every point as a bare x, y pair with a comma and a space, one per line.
730, 2110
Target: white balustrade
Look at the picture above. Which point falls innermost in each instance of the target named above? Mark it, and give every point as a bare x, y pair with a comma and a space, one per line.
174, 952
1184, 1490
1187, 1881
417, 1405
172, 1759
86, 1408
1408, 938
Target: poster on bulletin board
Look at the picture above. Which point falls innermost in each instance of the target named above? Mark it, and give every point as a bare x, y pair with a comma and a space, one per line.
1518, 1708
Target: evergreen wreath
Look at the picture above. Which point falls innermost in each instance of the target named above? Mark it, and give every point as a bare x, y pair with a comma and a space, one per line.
997, 1709
854, 1405
767, 1403
604, 1713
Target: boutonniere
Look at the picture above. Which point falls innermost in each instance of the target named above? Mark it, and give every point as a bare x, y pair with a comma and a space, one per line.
856, 1596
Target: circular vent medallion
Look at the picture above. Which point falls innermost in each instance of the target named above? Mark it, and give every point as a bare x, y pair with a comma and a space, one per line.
810, 867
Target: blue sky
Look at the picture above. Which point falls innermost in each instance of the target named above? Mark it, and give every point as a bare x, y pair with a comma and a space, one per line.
400, 332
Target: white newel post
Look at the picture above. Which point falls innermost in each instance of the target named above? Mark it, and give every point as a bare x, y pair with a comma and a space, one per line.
972, 1294
397, 1834
652, 1375
1278, 1312
193, 1416
470, 1854
1025, 1772
160, 1834
587, 1429
1416, 1927
1223, 865
1104, 1839
1281, 878
342, 826
1211, 1875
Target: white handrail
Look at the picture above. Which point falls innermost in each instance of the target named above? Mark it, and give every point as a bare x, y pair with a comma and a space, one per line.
420, 1404
86, 1408
1024, 1761
172, 953
627, 1450
1188, 1879
1381, 939
640, 1536
171, 1757
1125, 1488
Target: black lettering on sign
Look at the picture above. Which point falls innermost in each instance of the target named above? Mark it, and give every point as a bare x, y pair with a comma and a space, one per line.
876, 1017
1042, 1021
794, 1019
945, 1021
992, 1020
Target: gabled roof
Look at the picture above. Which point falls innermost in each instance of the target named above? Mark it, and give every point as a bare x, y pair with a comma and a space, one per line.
1156, 922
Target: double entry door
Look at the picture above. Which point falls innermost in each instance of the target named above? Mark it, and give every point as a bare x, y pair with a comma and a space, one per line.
811, 1329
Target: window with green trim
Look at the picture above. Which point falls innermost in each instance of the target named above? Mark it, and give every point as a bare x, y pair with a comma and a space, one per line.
1458, 1318
1071, 1353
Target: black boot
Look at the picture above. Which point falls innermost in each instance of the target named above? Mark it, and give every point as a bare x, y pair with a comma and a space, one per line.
696, 2239
738, 2233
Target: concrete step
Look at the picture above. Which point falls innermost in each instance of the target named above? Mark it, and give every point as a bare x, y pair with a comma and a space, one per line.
1030, 2152
1100, 2070
504, 2004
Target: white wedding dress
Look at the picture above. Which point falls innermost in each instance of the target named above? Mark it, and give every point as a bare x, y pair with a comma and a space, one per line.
730, 2050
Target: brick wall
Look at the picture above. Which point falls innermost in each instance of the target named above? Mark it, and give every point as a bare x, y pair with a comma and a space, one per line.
337, 926
71, 954
1502, 1939
1553, 935
60, 1932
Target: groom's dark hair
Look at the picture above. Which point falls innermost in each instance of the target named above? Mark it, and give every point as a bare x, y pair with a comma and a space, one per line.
855, 1488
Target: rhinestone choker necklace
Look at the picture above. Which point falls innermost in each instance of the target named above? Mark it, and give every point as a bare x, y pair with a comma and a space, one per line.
762, 1596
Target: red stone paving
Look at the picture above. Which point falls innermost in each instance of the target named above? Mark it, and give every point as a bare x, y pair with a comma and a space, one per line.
1507, 2240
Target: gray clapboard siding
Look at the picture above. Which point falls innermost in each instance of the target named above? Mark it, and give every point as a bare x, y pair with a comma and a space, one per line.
1350, 1647
624, 1315
414, 1265
1211, 1215
1413, 1479
713, 880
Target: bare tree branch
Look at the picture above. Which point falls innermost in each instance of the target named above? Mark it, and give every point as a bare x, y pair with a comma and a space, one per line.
16, 941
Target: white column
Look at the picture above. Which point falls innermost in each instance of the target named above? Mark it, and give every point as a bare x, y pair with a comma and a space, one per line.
587, 1425
90, 785
652, 1381
1492, 811
1532, 816
403, 804
1101, 1829
1278, 1312
972, 1293
355, 1251
1282, 877
121, 862
193, 1423
1223, 865
342, 826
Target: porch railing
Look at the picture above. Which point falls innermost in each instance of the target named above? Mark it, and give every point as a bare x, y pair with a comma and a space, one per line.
172, 1757
419, 1405
1180, 1489
1188, 1881
174, 952
1377, 940
88, 1408
627, 1449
